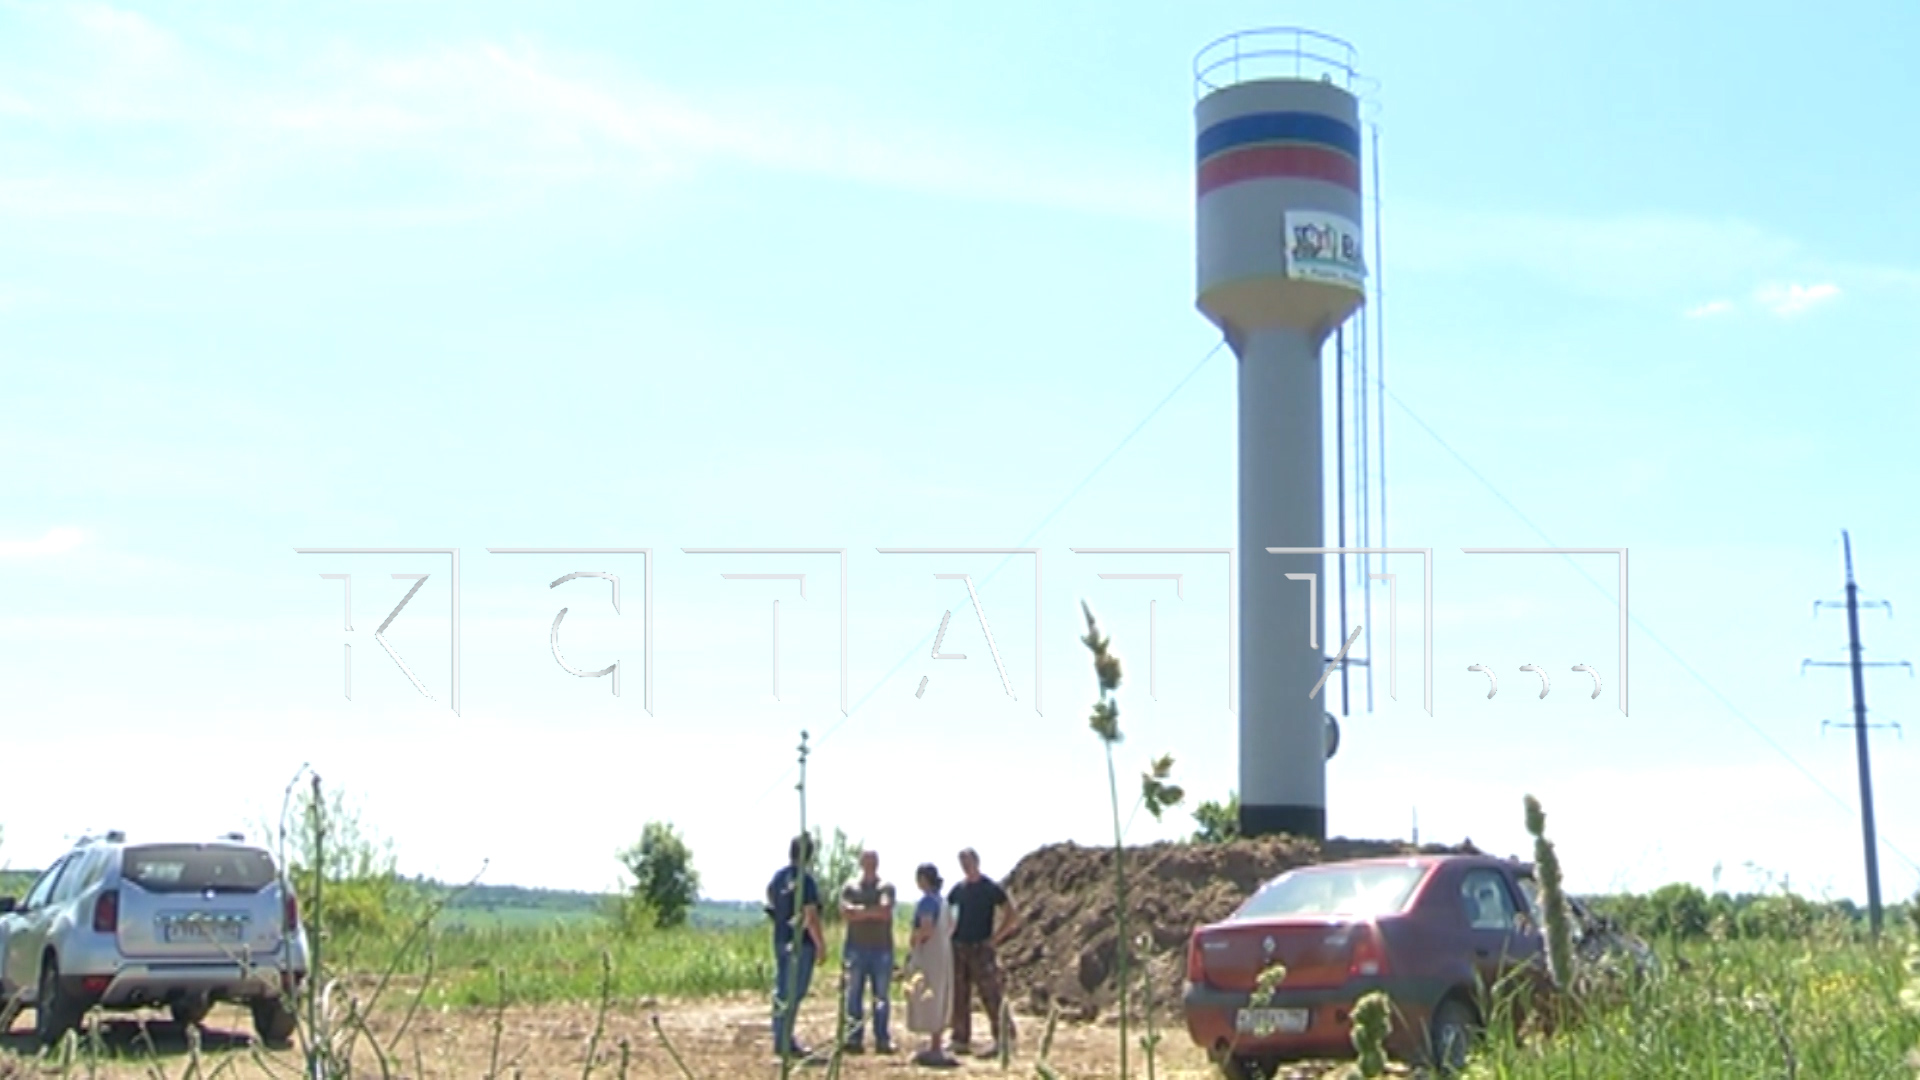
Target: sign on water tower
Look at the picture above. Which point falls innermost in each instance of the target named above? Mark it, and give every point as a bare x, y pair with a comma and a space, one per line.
1324, 247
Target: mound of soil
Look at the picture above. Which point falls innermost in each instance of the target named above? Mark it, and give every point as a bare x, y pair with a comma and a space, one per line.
1064, 950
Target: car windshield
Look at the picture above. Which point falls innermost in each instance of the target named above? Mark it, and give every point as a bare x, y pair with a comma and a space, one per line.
195, 868
1334, 890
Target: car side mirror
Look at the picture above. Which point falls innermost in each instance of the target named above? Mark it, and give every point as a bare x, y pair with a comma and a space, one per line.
8, 905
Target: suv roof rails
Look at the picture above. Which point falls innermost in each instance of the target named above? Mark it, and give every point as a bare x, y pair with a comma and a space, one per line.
236, 837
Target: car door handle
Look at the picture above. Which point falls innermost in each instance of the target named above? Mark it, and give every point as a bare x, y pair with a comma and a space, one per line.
1482, 953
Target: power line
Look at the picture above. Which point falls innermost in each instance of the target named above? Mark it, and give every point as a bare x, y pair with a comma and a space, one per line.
1671, 652
1035, 531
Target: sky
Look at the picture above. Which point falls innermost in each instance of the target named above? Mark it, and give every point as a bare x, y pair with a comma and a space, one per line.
677, 277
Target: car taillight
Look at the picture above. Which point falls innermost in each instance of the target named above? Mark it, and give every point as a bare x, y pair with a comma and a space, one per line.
1196, 966
290, 912
1369, 956
106, 912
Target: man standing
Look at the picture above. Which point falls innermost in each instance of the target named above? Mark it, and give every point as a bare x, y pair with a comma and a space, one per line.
793, 889
976, 944
866, 903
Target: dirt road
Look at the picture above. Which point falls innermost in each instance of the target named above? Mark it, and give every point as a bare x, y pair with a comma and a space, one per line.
719, 1039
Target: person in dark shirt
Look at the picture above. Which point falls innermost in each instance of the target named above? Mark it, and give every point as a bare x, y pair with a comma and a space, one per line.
793, 886
976, 944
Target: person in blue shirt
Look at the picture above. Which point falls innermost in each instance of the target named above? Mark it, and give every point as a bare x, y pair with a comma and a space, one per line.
793, 886
930, 970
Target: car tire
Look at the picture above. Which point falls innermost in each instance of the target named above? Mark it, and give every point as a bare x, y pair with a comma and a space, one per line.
53, 1013
1452, 1033
274, 1022
190, 1013
1244, 1068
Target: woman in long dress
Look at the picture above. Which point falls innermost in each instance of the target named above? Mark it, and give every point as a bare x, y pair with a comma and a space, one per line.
929, 970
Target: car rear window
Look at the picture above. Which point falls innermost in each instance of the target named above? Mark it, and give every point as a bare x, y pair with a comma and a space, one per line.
1346, 890
171, 868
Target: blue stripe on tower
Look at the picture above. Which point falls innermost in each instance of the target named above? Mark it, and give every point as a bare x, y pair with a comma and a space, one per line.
1304, 127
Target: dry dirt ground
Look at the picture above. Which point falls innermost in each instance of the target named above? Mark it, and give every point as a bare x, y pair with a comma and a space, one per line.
720, 1039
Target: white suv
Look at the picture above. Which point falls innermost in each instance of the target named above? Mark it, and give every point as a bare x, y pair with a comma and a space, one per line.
179, 926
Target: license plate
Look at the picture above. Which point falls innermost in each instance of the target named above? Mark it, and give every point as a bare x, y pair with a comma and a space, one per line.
1270, 1021
203, 931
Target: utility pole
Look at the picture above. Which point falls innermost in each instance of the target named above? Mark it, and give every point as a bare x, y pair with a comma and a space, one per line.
1853, 605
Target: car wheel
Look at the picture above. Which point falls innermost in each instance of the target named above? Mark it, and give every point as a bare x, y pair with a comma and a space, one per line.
53, 1014
1452, 1031
191, 1012
274, 1022
1243, 1068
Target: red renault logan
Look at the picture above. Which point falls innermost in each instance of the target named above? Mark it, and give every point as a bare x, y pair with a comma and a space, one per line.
1432, 932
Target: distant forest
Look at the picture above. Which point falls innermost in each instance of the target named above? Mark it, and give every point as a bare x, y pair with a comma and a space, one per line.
490, 904
520, 903
1672, 911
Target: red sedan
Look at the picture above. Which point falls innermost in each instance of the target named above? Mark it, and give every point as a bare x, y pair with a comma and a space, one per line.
1432, 932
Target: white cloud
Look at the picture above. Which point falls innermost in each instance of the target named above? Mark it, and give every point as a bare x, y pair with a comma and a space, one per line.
491, 115
573, 125
1792, 299
1656, 257
1623, 255
129, 29
1891, 277
1784, 301
57, 541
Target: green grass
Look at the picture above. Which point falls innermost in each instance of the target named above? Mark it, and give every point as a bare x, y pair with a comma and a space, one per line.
1741, 1009
1826, 1004
562, 963
1815, 1008
559, 959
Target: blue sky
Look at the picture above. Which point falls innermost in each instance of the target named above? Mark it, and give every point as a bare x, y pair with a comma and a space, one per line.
674, 276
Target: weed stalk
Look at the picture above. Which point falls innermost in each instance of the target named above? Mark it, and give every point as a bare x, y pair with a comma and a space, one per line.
1552, 897
1105, 722
600, 1014
1156, 794
499, 1025
316, 920
1150, 1043
672, 1052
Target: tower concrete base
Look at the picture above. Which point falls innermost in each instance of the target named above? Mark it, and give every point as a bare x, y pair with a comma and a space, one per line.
1309, 822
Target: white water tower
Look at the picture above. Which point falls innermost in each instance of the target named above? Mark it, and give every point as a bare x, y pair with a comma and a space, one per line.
1280, 266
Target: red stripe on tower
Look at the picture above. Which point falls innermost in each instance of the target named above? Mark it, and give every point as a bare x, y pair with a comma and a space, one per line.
1286, 162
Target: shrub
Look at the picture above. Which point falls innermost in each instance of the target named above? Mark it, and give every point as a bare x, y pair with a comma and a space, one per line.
1679, 910
839, 863
1219, 822
665, 884
364, 896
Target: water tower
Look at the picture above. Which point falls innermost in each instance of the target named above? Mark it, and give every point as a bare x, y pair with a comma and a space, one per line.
1279, 253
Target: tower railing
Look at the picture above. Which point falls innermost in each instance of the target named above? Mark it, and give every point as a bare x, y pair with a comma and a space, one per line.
1278, 52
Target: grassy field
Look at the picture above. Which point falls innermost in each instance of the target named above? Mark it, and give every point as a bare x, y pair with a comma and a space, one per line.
1826, 1006
559, 960
1746, 1009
